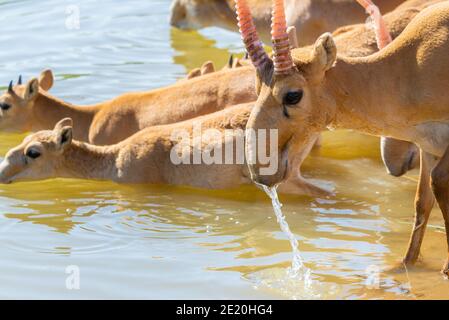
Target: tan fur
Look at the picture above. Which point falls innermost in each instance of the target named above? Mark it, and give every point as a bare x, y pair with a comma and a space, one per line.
142, 158
114, 120
398, 156
400, 92
356, 41
310, 17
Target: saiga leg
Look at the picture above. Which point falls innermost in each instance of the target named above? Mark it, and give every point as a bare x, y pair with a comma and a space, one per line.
424, 202
440, 186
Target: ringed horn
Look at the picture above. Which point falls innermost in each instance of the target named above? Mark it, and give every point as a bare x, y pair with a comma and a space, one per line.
249, 35
383, 36
283, 62
282, 59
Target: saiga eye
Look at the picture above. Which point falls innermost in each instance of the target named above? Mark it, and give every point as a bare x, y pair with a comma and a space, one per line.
293, 97
33, 154
4, 106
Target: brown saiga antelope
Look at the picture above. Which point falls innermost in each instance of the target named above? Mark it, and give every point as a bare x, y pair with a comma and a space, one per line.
352, 41
147, 156
310, 17
399, 92
398, 156
25, 109
29, 106
355, 40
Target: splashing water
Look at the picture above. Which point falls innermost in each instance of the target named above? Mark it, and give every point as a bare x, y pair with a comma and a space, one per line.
298, 281
298, 270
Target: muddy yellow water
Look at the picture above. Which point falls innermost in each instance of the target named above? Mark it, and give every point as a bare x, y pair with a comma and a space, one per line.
164, 242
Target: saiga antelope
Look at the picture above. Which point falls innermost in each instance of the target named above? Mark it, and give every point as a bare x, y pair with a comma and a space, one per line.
147, 156
29, 108
399, 92
310, 17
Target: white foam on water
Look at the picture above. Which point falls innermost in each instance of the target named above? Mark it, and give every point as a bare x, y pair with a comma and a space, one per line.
278, 282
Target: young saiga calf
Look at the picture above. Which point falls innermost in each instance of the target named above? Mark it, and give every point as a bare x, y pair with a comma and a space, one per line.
155, 155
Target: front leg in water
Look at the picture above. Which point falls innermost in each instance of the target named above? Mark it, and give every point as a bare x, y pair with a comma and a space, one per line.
424, 202
440, 186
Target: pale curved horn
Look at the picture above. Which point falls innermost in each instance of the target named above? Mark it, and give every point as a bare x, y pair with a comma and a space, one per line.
249, 35
283, 62
383, 36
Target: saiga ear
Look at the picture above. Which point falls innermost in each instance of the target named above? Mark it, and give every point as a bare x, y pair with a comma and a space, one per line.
237, 64
31, 90
66, 122
64, 133
230, 61
46, 80
324, 53
194, 73
293, 38
207, 67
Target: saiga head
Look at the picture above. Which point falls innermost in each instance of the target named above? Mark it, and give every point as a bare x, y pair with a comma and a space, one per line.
38, 156
292, 92
16, 103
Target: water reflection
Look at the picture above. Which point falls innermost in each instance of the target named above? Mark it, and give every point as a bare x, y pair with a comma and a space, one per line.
187, 44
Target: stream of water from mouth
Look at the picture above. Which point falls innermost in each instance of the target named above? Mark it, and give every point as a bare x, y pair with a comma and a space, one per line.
297, 270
